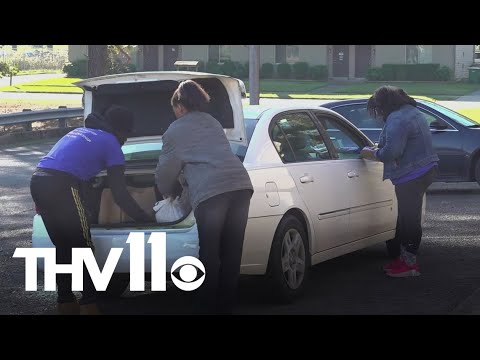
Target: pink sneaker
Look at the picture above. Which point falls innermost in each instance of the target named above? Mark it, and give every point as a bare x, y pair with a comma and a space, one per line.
402, 269
392, 264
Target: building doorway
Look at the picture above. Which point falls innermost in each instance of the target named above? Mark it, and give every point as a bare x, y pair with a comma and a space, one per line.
170, 55
362, 60
340, 61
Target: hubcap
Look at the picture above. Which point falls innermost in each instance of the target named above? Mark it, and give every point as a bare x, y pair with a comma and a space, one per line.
293, 258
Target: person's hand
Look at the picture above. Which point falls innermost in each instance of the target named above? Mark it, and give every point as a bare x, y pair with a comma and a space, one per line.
368, 153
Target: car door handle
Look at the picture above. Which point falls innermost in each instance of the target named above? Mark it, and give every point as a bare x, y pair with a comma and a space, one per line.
352, 174
306, 179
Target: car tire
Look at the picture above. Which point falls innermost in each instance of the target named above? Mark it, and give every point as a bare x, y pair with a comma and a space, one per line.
289, 260
477, 171
117, 286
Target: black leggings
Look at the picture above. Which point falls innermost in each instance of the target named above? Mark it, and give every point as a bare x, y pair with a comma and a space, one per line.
59, 202
221, 222
409, 221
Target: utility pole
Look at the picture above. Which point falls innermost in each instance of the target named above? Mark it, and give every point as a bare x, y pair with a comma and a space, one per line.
254, 74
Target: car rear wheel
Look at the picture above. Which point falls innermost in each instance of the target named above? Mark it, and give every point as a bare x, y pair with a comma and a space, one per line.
289, 260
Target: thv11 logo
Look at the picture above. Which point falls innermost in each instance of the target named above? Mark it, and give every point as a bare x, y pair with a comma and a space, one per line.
187, 266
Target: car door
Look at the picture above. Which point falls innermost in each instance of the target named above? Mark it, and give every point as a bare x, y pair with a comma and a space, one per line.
448, 143
372, 199
321, 181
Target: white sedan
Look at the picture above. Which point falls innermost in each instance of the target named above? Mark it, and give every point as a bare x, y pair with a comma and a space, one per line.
315, 198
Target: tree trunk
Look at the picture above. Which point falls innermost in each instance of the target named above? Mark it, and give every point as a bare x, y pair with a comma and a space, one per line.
150, 57
97, 60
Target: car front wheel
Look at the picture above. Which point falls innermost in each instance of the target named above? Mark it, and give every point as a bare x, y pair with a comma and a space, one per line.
289, 260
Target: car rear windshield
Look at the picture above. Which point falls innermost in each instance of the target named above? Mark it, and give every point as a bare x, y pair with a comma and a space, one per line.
462, 120
151, 151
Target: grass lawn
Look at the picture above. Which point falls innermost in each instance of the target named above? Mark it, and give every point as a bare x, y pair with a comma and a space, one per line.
438, 91
473, 114
290, 89
283, 86
17, 105
36, 72
56, 85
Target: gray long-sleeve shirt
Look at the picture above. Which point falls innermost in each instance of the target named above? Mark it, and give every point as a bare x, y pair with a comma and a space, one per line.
196, 143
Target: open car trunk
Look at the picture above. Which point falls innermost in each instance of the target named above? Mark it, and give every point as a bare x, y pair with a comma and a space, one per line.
105, 213
148, 95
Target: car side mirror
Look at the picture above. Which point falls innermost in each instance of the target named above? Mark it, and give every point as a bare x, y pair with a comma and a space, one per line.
438, 125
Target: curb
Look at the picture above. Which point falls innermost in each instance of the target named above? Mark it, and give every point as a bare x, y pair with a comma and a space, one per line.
438, 187
19, 137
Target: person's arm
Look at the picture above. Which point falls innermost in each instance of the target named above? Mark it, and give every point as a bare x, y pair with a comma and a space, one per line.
115, 165
396, 135
168, 168
116, 180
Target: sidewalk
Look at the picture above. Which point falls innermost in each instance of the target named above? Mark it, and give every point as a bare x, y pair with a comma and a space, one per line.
437, 187
20, 79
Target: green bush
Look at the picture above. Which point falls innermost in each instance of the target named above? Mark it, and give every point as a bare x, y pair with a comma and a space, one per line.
117, 67
375, 74
241, 70
388, 72
411, 72
300, 70
201, 66
214, 68
228, 68
319, 72
4, 69
284, 71
76, 69
444, 73
266, 71
7, 69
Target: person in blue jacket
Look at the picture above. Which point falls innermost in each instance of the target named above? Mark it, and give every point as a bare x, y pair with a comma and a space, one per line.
406, 150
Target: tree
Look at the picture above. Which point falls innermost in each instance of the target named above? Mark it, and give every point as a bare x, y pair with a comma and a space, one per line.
97, 60
150, 57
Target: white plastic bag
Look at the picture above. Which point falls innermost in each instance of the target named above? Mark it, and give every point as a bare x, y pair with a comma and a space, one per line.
168, 210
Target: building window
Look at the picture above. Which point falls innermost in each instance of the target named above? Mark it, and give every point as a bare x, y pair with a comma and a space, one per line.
418, 54
286, 54
219, 53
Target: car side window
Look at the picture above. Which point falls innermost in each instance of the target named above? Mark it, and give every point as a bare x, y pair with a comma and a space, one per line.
297, 139
347, 144
358, 115
433, 121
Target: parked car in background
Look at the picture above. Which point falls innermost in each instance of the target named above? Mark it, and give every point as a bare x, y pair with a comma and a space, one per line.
456, 138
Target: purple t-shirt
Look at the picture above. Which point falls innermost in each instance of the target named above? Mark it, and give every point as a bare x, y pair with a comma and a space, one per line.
84, 152
414, 174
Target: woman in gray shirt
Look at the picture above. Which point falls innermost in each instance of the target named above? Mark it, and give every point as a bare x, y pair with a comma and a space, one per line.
219, 189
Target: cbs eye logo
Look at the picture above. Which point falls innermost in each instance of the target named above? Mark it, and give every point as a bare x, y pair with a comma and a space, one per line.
191, 273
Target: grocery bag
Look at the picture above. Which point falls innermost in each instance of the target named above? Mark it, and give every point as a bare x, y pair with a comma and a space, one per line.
168, 210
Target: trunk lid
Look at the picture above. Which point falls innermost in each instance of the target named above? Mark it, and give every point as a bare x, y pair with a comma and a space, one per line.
148, 95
